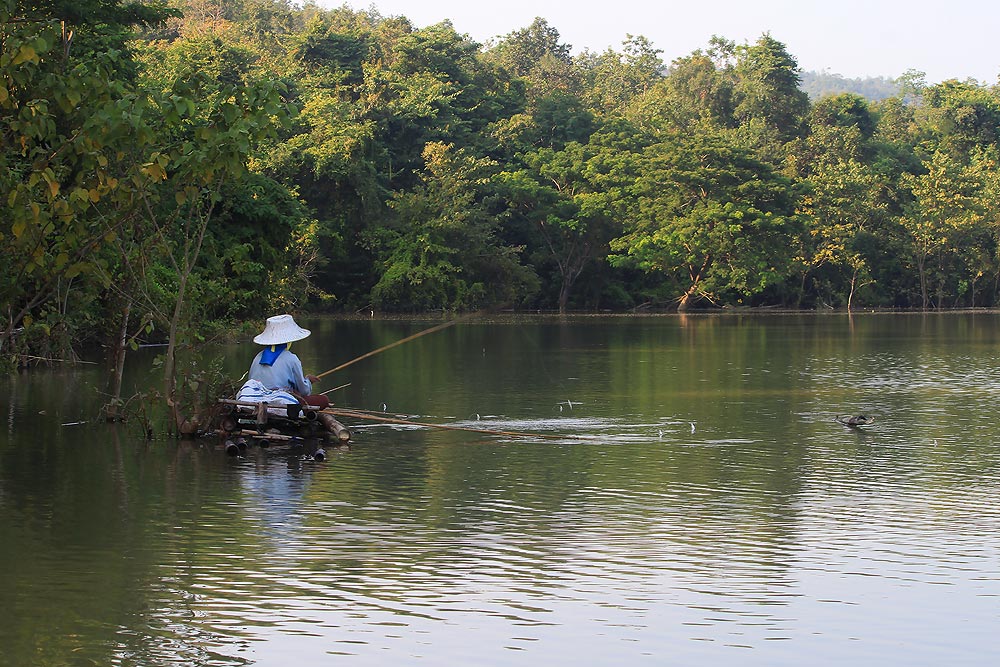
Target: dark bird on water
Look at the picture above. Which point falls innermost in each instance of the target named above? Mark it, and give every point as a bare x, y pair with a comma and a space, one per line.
857, 420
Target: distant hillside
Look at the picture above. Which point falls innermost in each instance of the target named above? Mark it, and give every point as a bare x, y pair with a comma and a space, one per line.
821, 84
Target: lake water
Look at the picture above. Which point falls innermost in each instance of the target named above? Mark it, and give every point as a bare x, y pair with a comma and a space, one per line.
699, 505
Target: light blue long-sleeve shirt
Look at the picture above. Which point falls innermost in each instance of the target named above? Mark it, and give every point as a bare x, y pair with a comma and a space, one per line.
284, 373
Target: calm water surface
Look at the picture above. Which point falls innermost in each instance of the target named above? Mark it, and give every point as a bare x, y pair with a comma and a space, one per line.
699, 506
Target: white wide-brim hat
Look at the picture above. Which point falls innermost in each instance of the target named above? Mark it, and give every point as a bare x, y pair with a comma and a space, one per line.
280, 329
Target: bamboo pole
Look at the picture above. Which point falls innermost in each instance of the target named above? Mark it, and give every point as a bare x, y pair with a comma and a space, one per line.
433, 329
447, 427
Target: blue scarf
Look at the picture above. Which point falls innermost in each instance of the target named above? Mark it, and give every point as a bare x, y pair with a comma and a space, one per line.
271, 353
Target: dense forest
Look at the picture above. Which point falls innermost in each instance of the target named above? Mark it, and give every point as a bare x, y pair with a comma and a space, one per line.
171, 164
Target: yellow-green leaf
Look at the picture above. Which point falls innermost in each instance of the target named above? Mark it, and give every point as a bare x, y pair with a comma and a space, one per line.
156, 172
25, 54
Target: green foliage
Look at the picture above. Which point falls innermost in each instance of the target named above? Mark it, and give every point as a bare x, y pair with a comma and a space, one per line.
341, 56
573, 199
960, 117
248, 156
842, 205
444, 251
112, 14
522, 51
770, 106
710, 217
614, 79
844, 110
261, 248
953, 211
63, 123
698, 91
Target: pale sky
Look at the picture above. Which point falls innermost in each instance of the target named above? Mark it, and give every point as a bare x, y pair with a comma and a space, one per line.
947, 39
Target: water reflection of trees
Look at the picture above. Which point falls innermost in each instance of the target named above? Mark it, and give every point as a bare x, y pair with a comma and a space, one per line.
103, 531
126, 550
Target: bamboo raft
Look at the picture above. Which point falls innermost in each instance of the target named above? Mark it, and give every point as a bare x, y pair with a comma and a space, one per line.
242, 425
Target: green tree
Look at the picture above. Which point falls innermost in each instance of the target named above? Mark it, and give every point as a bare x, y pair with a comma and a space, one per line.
843, 199
697, 91
96, 19
950, 204
845, 110
959, 117
841, 208
574, 199
442, 70
521, 51
65, 104
444, 251
614, 80
770, 106
207, 122
554, 112
711, 218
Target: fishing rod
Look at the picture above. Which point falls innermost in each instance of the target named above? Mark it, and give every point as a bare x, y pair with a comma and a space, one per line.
447, 427
433, 329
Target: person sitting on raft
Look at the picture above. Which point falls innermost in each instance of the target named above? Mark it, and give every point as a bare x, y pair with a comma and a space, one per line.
276, 374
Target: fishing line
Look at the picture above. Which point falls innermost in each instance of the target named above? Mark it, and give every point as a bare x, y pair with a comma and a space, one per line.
447, 427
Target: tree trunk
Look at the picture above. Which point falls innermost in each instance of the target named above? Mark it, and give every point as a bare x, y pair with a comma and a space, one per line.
564, 295
192, 250
850, 295
922, 270
685, 303
802, 290
116, 366
170, 361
